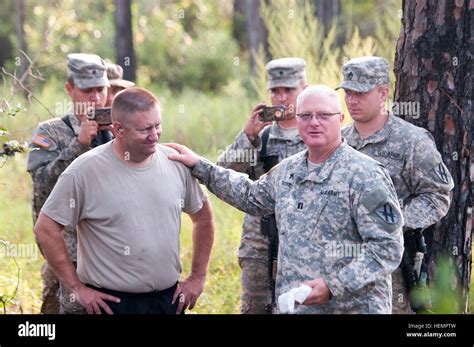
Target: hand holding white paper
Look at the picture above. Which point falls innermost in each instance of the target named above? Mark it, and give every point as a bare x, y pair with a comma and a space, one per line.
286, 301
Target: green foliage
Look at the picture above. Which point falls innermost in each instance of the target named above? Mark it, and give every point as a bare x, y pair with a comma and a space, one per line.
20, 283
204, 122
54, 29
444, 291
309, 40
306, 39
178, 43
9, 147
172, 57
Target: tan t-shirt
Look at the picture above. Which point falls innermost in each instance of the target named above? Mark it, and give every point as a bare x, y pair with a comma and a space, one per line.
128, 219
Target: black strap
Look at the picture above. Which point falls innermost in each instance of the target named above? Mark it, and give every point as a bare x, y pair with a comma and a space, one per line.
103, 136
66, 120
265, 136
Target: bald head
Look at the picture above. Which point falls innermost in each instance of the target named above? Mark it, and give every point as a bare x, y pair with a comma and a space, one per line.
319, 92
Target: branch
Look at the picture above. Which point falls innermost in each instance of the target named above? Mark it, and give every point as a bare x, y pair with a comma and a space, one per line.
5, 72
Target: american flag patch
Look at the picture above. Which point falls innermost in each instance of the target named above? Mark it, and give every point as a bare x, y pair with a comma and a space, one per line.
41, 141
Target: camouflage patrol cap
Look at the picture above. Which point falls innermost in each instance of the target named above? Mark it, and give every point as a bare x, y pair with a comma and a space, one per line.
115, 76
86, 70
364, 73
285, 72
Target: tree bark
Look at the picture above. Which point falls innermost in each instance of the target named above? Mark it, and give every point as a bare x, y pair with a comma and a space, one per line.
327, 11
21, 60
256, 32
238, 24
433, 67
125, 53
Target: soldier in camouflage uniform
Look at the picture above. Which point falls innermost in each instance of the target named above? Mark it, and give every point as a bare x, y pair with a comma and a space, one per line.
117, 83
408, 152
339, 221
286, 80
55, 144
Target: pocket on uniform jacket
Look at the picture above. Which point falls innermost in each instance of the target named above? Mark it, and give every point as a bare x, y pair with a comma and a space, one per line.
315, 218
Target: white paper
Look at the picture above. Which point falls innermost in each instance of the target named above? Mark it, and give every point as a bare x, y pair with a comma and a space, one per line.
286, 301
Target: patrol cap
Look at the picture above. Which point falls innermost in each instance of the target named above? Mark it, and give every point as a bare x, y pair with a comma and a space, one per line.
285, 72
87, 70
115, 76
364, 73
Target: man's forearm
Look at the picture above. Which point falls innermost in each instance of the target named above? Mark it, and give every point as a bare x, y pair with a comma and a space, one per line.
425, 210
49, 236
203, 239
235, 188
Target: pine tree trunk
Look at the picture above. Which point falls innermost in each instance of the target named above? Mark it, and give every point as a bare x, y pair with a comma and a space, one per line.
238, 24
256, 31
327, 11
125, 52
433, 67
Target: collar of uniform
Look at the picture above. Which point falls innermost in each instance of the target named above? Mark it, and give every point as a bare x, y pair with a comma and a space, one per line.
380, 136
76, 124
277, 133
326, 169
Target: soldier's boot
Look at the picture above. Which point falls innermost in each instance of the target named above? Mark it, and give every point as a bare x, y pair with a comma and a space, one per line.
256, 293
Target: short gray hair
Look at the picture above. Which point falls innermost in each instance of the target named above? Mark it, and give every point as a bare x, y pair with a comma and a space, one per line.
319, 90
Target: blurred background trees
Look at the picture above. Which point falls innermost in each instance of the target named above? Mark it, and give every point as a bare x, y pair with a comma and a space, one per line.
188, 44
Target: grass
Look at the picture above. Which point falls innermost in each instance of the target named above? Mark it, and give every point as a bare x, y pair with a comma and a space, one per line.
16, 227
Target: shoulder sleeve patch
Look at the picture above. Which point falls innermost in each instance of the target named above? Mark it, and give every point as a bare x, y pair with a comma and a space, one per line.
374, 199
387, 213
41, 141
434, 164
428, 163
442, 173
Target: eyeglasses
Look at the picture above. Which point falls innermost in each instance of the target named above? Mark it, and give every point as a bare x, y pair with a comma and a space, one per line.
322, 117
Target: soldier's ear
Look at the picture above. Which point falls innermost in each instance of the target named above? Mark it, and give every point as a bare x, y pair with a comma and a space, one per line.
384, 92
68, 88
118, 127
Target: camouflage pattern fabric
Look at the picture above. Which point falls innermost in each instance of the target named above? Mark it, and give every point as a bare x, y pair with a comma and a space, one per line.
341, 223
421, 179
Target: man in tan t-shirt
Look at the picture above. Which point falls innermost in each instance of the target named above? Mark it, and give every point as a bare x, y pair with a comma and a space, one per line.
126, 199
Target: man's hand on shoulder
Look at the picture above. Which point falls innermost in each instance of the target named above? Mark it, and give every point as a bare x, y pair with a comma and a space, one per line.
184, 155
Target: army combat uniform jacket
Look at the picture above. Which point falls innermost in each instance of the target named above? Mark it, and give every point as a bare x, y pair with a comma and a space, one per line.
341, 222
419, 175
54, 146
242, 156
